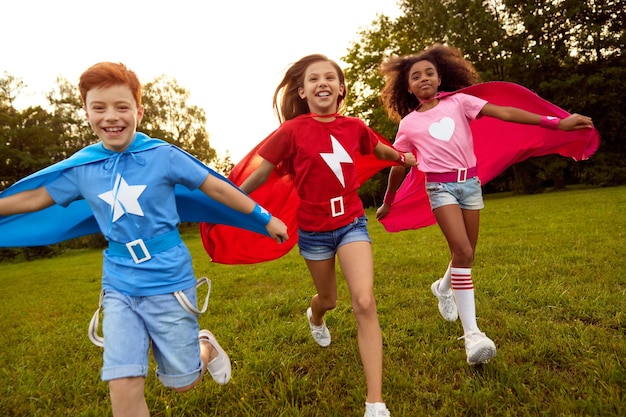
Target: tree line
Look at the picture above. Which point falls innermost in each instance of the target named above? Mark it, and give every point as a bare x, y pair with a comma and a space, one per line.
567, 51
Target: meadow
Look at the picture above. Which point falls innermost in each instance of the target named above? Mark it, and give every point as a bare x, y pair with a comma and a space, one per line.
550, 278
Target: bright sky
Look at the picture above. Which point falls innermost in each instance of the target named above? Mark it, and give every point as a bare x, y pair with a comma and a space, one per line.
230, 54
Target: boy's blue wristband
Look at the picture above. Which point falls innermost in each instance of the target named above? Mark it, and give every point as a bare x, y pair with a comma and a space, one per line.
259, 214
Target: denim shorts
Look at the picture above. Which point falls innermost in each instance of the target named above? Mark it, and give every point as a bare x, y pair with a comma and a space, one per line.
129, 325
467, 195
319, 246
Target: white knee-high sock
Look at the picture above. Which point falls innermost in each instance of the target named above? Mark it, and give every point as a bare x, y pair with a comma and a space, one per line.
445, 283
463, 288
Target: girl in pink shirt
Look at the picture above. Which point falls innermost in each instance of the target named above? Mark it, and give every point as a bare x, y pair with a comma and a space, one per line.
437, 126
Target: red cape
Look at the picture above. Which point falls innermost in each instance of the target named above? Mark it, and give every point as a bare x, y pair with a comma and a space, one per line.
230, 245
497, 145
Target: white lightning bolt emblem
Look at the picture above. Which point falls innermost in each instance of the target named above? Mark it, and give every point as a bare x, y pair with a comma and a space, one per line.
334, 159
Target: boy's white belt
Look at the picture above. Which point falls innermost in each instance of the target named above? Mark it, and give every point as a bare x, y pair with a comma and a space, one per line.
142, 250
94, 323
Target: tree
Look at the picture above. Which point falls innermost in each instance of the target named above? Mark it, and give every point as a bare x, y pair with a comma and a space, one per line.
168, 116
28, 138
10, 88
568, 51
67, 107
223, 165
27, 141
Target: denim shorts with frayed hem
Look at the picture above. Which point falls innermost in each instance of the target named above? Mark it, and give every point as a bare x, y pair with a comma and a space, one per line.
319, 246
468, 195
131, 325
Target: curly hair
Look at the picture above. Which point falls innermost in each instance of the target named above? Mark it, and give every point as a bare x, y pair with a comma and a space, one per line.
454, 70
291, 105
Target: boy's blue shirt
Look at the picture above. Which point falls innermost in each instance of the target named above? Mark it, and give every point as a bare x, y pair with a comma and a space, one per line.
56, 223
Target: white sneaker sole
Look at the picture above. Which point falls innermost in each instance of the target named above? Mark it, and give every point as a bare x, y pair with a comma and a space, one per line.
219, 367
483, 352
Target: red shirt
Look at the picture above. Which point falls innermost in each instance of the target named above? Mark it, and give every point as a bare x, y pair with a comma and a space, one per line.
320, 156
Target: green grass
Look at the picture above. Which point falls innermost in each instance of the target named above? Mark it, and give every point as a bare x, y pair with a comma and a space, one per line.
550, 277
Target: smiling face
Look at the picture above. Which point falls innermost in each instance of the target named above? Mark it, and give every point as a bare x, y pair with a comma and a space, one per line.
424, 80
114, 115
322, 88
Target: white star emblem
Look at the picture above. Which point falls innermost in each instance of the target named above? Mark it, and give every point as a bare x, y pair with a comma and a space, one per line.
123, 198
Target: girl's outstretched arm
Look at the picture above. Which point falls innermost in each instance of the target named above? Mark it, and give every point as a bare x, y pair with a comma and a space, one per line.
388, 153
258, 177
26, 201
517, 115
396, 176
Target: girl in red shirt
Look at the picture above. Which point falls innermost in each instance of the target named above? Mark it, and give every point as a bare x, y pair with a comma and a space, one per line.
318, 146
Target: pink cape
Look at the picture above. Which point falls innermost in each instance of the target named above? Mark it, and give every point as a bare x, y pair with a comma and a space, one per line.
497, 145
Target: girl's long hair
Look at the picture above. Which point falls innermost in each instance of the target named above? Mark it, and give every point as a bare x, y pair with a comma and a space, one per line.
287, 101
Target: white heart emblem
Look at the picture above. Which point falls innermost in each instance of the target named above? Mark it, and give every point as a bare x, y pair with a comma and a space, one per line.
443, 129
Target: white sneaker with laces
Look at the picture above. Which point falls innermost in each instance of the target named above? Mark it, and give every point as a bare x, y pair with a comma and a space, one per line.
478, 347
219, 367
376, 410
320, 333
447, 305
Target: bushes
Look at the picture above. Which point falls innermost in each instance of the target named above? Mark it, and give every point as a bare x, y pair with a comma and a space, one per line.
30, 253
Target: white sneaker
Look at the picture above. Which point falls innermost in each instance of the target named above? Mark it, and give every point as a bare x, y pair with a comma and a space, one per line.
219, 367
320, 333
447, 305
376, 410
478, 347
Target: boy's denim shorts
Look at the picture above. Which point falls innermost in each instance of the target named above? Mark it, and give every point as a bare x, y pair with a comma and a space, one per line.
468, 195
131, 323
319, 246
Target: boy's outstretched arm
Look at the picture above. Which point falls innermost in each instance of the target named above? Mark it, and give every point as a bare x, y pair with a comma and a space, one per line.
26, 201
226, 194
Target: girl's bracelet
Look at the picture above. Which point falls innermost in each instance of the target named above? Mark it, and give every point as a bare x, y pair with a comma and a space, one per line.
549, 122
389, 197
401, 159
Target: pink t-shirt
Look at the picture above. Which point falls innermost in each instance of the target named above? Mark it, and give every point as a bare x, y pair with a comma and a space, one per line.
441, 136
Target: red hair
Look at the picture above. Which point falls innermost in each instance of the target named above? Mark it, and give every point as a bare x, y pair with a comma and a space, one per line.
106, 74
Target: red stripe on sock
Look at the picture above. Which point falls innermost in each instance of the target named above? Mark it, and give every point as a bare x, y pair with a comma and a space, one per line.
462, 282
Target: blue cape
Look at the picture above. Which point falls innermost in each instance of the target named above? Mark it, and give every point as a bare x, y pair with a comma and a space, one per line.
56, 223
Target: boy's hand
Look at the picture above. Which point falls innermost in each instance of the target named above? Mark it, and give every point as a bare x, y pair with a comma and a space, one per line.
277, 230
